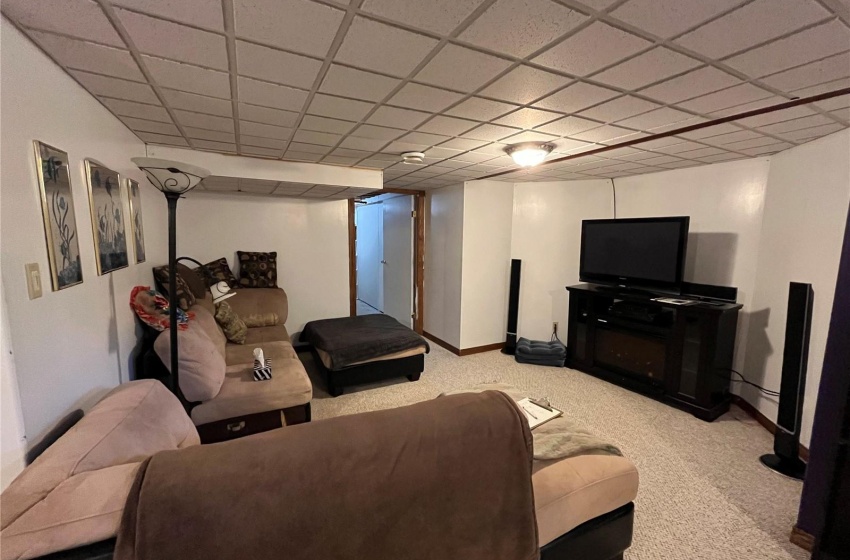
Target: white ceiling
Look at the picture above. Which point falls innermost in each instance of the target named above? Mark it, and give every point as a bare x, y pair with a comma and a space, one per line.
230, 185
355, 84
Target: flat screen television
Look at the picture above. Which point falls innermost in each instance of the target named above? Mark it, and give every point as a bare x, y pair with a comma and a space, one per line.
642, 253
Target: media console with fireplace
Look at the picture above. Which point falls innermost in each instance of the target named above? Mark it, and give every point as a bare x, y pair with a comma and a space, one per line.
679, 354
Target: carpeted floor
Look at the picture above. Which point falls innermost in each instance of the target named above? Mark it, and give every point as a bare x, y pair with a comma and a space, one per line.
703, 493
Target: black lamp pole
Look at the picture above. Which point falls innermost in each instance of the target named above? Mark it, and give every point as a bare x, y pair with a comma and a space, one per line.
172, 199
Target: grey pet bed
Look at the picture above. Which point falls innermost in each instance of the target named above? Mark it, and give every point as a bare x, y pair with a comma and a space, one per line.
541, 353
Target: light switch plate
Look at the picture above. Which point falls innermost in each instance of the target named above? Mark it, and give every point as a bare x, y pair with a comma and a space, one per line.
33, 280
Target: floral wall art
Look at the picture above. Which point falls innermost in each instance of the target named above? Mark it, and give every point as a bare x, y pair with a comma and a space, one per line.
136, 225
107, 212
60, 222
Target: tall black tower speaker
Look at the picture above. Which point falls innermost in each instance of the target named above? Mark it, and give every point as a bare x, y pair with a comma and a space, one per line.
786, 442
513, 308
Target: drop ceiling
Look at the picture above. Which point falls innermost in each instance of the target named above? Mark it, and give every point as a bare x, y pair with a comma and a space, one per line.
355, 84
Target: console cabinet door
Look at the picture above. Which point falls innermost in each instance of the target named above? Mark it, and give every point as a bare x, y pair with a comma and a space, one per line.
579, 339
685, 369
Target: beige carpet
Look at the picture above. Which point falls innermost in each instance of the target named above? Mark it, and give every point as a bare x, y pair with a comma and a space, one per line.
703, 493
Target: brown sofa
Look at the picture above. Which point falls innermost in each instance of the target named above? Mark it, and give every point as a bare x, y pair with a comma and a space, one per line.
216, 376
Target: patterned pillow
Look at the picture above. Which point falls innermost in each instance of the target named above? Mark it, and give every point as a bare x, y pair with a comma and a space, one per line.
234, 328
185, 297
257, 270
221, 271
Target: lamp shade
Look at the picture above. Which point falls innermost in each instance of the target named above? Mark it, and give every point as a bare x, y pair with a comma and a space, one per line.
171, 176
221, 291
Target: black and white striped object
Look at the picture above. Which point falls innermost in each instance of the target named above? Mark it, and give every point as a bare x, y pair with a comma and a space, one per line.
262, 372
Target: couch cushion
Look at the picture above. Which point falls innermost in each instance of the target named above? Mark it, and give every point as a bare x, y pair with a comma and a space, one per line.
568, 492
205, 321
241, 395
200, 361
259, 335
260, 301
243, 354
132, 422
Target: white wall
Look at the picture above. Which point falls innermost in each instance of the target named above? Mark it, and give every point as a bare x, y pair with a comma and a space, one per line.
546, 236
443, 262
310, 237
74, 345
805, 209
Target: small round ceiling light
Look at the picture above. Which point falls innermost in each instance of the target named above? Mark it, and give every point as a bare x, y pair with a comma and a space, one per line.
413, 157
529, 154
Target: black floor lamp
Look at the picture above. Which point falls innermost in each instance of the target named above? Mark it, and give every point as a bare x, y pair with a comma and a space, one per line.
174, 179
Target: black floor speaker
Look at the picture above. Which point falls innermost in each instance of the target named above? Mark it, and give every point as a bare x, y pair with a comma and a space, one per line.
786, 441
513, 308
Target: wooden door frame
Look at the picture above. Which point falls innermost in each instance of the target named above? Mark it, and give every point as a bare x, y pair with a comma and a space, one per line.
418, 254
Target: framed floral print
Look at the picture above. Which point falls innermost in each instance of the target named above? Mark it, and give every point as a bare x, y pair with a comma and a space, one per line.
136, 225
107, 214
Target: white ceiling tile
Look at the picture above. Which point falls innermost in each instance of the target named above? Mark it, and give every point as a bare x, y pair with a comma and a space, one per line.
751, 24
339, 160
692, 84
266, 115
812, 44
520, 27
752, 143
813, 132
152, 138
620, 108
490, 132
224, 147
87, 56
826, 70
438, 16
198, 103
478, 68
652, 66
527, 118
156, 37
142, 125
531, 136
256, 61
349, 82
185, 77
375, 46
301, 156
480, 109
299, 25
348, 109
576, 97
325, 124
796, 124
397, 118
377, 132
138, 110
200, 13
363, 143
78, 18
423, 138
656, 118
261, 152
603, 133
568, 126
264, 130
441, 153
321, 138
711, 131
524, 84
320, 150
591, 49
347, 152
258, 141
425, 98
776, 116
723, 99
114, 87
271, 95
667, 18
203, 134
209, 122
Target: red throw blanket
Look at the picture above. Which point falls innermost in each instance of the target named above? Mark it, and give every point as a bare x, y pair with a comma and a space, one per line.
444, 479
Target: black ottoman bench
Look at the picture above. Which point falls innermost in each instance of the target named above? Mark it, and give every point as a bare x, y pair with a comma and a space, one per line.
365, 349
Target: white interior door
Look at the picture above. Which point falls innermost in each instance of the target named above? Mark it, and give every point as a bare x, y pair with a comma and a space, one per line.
398, 258
369, 221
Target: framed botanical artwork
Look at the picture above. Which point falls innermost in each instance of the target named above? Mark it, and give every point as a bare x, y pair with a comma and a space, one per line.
107, 216
60, 222
136, 226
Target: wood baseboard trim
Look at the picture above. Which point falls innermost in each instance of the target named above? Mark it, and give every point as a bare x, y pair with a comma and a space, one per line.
765, 422
802, 539
465, 351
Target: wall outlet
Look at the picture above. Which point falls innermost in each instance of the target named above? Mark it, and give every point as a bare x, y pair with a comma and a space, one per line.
33, 280
555, 327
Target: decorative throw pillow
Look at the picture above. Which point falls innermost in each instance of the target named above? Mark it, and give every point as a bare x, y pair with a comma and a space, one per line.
220, 271
257, 270
152, 309
269, 319
234, 328
196, 283
185, 297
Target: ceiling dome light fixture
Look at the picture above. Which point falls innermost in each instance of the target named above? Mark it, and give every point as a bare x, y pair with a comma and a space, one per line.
413, 157
529, 154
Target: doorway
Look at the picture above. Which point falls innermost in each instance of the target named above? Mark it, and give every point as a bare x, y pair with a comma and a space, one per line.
386, 253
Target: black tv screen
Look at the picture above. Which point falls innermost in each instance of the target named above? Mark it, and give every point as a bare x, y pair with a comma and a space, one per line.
639, 252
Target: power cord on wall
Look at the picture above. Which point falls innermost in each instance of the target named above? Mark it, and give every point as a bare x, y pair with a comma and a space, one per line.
614, 190
743, 379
